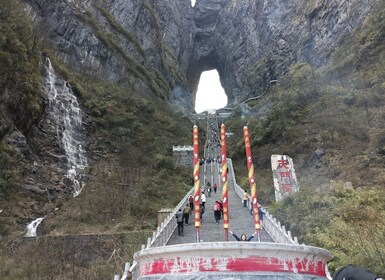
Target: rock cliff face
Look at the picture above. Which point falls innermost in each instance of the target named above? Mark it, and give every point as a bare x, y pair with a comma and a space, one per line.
253, 42
161, 47
143, 43
167, 44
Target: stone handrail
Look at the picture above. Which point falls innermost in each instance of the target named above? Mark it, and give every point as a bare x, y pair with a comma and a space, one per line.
273, 227
161, 236
163, 233
182, 148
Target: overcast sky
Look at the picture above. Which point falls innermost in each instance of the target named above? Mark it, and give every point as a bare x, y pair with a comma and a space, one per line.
210, 94
192, 3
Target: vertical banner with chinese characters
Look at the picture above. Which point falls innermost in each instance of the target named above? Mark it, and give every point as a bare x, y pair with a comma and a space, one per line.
225, 188
285, 180
196, 183
253, 187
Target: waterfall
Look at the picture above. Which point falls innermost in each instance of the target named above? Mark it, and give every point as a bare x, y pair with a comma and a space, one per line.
32, 227
64, 108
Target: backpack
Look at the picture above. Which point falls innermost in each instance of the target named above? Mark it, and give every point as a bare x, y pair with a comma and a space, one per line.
353, 273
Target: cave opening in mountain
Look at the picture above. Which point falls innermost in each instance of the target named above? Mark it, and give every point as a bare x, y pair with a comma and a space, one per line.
210, 93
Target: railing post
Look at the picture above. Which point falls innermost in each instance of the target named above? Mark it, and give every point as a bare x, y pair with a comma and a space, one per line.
126, 271
289, 235
148, 242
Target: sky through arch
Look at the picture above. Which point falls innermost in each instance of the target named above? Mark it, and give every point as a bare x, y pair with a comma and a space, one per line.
210, 93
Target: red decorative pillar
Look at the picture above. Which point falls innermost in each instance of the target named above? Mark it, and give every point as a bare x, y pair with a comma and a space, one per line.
196, 183
253, 187
225, 188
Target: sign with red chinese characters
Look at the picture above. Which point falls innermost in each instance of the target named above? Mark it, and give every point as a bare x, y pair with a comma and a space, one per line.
285, 180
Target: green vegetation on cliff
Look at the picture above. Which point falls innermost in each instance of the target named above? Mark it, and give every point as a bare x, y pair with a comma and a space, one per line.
134, 175
19, 68
131, 173
338, 109
20, 94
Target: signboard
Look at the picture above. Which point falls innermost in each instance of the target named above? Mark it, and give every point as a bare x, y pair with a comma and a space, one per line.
285, 180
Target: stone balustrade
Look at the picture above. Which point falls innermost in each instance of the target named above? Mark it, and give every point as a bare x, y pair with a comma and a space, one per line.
162, 234
290, 256
273, 227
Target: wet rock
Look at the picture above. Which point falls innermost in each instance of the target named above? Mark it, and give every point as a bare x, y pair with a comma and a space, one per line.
319, 153
19, 142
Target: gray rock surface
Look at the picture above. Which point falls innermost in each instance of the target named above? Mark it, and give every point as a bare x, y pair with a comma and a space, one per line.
253, 42
145, 43
249, 42
162, 46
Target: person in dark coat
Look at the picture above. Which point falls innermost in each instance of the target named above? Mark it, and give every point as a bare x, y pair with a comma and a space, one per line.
202, 211
221, 205
261, 214
217, 211
179, 220
351, 272
243, 236
186, 213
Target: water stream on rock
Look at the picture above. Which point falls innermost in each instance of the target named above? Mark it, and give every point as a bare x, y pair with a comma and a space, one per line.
65, 109
32, 227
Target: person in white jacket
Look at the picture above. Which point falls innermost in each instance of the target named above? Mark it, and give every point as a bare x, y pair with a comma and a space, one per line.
203, 198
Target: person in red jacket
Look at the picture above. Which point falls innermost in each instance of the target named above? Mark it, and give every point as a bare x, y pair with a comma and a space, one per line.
191, 202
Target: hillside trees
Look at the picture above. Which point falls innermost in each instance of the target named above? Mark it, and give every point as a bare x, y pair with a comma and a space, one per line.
20, 80
19, 68
338, 108
344, 220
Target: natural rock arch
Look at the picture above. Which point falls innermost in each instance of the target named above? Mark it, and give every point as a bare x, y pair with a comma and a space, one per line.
251, 43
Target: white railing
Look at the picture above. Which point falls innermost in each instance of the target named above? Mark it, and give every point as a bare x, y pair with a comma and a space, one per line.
273, 227
163, 233
182, 148
160, 237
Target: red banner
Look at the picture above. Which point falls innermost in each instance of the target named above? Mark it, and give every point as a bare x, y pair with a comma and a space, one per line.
253, 187
196, 182
225, 188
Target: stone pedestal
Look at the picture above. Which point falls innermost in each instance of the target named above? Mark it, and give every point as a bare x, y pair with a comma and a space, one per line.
162, 214
233, 260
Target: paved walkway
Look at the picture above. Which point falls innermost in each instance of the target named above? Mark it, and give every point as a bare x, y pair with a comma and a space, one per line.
240, 219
